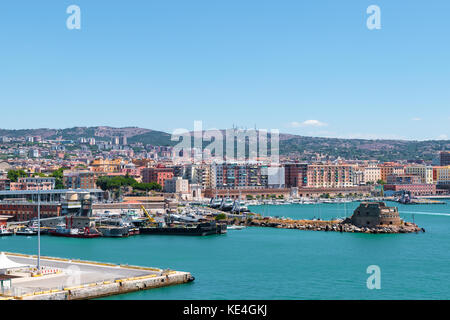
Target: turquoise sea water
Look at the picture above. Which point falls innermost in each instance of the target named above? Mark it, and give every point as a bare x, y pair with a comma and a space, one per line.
266, 263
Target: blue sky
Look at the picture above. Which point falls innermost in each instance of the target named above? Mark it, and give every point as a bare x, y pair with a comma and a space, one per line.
303, 67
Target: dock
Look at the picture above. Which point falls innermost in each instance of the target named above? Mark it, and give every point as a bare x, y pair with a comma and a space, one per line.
70, 279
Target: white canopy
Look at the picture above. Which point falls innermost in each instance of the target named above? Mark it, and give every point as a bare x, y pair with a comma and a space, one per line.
5, 263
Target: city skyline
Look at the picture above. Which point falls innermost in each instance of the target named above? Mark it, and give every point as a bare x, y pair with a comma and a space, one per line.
160, 66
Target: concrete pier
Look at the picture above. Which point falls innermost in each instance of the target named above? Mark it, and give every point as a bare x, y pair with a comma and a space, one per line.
79, 279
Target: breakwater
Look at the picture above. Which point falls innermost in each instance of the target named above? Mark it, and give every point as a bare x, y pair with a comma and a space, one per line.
330, 225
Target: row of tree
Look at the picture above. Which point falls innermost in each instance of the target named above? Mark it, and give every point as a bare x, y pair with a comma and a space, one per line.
105, 183
114, 183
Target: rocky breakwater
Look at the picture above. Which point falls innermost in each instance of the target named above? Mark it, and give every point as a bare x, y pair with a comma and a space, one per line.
369, 217
332, 225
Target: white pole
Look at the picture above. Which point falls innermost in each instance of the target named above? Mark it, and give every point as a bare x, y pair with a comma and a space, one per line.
39, 230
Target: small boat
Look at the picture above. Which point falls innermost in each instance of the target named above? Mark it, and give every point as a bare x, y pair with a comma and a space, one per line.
61, 231
233, 227
26, 232
5, 232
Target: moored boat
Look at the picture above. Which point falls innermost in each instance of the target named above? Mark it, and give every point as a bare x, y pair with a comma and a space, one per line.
5, 232
61, 231
26, 232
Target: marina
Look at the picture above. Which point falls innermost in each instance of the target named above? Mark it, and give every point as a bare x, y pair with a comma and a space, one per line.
250, 263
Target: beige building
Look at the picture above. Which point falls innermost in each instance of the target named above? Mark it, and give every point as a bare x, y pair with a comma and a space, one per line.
330, 175
424, 172
441, 175
372, 173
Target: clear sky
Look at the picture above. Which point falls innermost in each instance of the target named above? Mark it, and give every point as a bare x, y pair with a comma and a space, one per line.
303, 67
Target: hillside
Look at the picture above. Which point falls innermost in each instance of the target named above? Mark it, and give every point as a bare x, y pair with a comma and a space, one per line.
301, 146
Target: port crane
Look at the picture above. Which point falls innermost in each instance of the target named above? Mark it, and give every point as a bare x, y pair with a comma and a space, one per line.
149, 217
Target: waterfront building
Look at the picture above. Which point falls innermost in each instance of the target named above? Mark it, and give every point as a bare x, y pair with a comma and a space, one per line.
414, 189
441, 176
424, 172
404, 179
238, 176
372, 173
295, 174
390, 168
330, 175
22, 210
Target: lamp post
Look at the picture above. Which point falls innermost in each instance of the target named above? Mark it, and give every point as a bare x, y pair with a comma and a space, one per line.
39, 230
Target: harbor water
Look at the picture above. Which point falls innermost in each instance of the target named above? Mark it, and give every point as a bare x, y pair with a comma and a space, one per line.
268, 263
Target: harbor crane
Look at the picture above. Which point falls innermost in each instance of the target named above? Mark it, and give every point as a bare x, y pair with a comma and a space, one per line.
149, 217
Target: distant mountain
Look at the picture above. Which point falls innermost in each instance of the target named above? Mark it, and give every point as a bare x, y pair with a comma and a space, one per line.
304, 147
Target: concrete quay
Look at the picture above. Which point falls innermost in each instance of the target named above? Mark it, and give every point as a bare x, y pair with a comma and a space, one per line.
79, 280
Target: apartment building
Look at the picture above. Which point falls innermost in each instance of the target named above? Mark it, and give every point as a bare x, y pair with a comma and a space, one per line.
79, 179
158, 174
295, 174
330, 175
235, 176
441, 176
424, 172
390, 168
372, 173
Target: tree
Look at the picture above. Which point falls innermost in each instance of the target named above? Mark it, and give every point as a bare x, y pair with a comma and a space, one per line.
14, 175
115, 183
382, 182
59, 177
221, 216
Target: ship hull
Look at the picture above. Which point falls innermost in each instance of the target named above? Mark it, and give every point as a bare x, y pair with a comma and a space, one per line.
203, 229
68, 235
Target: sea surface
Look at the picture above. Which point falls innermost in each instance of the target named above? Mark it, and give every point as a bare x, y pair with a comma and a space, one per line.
266, 263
